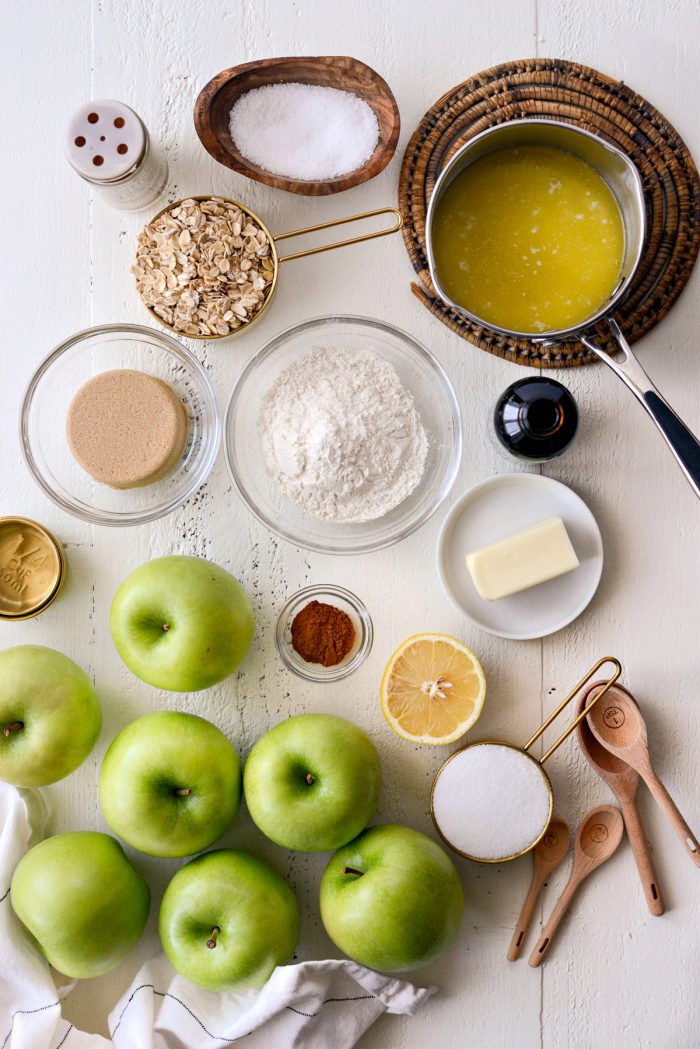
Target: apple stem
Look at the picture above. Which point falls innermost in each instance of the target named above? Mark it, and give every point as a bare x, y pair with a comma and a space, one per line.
352, 870
183, 791
211, 943
166, 627
16, 726
310, 778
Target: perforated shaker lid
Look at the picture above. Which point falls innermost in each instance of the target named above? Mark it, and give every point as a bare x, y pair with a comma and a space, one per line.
104, 140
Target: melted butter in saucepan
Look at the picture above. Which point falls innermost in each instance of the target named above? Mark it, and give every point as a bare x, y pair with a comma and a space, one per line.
529, 238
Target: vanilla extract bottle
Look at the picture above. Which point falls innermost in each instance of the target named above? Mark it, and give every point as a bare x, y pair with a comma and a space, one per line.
536, 419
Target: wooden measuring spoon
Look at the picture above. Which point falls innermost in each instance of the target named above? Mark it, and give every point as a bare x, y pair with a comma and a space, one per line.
617, 724
548, 855
623, 782
598, 836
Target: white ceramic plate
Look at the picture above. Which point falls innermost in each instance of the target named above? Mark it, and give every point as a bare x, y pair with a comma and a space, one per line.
496, 508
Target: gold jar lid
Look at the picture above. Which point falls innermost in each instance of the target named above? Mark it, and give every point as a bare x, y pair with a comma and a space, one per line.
32, 568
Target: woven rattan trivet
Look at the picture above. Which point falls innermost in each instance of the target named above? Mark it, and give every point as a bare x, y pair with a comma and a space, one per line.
569, 92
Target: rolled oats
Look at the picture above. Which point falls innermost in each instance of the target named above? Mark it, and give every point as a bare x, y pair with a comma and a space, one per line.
204, 267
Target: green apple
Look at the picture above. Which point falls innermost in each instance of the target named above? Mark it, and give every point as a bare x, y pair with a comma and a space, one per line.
181, 623
170, 784
227, 920
82, 902
392, 899
312, 782
50, 716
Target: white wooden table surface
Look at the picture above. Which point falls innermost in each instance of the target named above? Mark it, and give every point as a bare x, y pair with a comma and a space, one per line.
616, 977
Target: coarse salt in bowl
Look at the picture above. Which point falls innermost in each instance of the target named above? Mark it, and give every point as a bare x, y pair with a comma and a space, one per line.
491, 802
212, 116
304, 131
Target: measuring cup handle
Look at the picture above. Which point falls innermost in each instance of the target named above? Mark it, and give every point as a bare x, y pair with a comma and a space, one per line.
567, 699
342, 222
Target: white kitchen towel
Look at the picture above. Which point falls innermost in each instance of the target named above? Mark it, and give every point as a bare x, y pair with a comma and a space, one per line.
312, 1005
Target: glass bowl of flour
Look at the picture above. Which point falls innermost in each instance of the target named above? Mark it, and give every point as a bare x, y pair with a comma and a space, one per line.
343, 435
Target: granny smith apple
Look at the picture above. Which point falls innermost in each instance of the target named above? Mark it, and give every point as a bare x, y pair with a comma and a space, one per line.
312, 782
50, 716
227, 920
181, 623
392, 899
170, 784
81, 900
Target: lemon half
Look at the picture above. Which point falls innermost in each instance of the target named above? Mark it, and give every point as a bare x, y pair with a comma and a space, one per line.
433, 689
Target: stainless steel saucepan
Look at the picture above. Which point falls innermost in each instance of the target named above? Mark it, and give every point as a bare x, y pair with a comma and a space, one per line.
625, 183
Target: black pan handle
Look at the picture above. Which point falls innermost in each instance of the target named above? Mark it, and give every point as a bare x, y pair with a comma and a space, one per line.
684, 444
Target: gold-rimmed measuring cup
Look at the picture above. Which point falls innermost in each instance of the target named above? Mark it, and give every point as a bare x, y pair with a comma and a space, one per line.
277, 259
527, 757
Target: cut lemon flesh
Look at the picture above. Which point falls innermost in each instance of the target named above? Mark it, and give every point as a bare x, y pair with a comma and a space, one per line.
433, 689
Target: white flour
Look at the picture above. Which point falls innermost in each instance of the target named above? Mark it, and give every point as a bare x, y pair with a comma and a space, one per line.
341, 435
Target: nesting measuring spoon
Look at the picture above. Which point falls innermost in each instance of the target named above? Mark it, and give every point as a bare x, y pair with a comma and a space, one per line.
619, 726
548, 855
623, 781
597, 839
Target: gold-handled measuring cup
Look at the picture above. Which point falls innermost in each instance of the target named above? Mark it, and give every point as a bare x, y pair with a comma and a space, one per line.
527, 757
625, 183
274, 255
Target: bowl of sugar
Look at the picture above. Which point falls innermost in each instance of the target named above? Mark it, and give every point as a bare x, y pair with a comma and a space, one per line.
305, 125
507, 795
492, 801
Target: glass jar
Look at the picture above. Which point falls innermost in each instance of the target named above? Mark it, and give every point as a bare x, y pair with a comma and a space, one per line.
536, 419
109, 146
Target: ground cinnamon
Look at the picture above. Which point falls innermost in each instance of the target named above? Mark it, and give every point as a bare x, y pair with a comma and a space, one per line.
322, 634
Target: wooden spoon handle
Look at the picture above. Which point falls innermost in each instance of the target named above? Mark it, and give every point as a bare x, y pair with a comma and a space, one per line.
670, 810
642, 856
525, 918
552, 925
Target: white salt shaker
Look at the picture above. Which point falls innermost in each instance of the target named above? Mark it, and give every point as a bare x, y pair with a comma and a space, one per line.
108, 144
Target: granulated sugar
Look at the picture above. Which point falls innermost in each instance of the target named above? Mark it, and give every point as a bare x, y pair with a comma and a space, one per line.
491, 801
304, 131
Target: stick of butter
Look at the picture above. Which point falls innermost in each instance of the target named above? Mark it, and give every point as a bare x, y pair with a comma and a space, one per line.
522, 560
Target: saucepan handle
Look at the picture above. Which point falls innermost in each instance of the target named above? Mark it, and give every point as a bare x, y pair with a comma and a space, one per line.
682, 442
398, 223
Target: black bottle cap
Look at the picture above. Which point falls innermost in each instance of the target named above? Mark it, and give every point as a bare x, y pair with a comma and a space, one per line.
536, 418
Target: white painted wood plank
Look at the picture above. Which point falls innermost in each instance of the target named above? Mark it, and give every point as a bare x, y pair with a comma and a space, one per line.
156, 55
619, 976
46, 296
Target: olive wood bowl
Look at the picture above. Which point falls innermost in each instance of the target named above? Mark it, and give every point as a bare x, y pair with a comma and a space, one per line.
214, 102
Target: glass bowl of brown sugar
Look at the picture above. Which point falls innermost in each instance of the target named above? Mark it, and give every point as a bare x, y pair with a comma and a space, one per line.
324, 633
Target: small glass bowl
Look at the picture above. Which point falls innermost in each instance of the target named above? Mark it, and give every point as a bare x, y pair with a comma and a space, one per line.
433, 396
346, 602
45, 409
